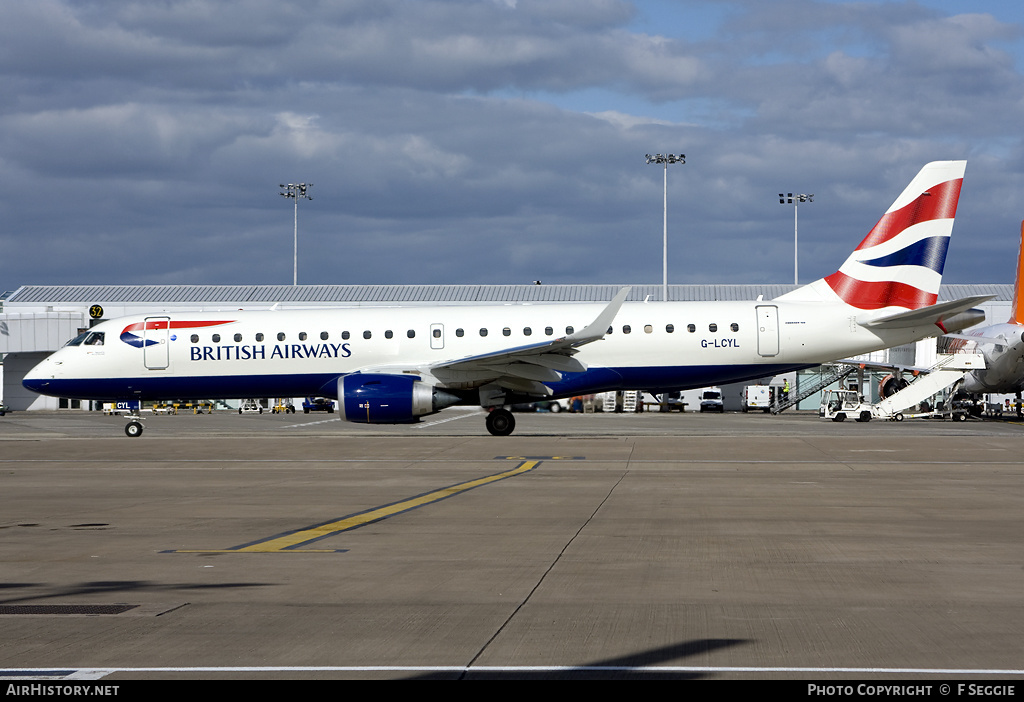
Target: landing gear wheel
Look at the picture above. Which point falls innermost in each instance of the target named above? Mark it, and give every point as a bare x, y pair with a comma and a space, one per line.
500, 422
133, 429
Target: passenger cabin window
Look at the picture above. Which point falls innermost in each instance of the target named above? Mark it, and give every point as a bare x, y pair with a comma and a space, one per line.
460, 332
324, 336
691, 328
259, 336
569, 330
506, 332
626, 329
670, 328
483, 332
549, 331
367, 335
527, 331
302, 336
238, 337
195, 338
216, 338
280, 336
345, 335
712, 327
648, 329
389, 334
735, 327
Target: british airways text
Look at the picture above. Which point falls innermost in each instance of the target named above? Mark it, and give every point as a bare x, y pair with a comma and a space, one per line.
246, 352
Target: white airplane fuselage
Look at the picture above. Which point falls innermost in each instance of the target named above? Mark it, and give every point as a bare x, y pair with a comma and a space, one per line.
390, 365
652, 346
1004, 362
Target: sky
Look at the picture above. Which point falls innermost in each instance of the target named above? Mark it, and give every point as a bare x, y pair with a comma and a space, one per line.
495, 141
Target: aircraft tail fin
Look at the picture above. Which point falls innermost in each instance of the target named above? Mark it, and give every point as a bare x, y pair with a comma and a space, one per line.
899, 263
1017, 311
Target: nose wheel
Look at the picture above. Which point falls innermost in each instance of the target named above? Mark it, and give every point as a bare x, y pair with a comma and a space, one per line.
133, 428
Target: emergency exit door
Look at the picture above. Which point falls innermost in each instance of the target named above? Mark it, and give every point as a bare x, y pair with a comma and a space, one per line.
767, 330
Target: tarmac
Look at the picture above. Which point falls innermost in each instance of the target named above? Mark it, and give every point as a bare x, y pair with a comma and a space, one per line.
226, 546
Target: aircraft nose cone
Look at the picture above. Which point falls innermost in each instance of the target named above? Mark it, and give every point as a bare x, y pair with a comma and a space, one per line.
38, 378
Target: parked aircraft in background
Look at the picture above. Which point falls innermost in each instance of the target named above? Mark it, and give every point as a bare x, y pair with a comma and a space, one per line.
394, 365
1002, 345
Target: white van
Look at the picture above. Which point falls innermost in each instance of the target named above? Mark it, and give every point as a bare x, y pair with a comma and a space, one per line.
711, 400
757, 397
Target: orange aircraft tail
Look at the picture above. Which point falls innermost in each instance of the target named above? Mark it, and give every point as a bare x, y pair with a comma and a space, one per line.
1017, 311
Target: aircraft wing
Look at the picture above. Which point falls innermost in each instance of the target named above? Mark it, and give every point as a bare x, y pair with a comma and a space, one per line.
981, 339
527, 368
933, 314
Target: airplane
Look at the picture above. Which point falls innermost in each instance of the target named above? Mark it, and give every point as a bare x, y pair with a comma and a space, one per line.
1002, 345
397, 365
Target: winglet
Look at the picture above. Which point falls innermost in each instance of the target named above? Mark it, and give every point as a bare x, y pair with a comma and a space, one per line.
599, 327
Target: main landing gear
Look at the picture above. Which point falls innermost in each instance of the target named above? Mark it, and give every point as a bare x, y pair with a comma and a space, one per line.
500, 422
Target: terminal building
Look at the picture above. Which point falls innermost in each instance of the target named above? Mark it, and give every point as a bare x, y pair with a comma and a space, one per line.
36, 320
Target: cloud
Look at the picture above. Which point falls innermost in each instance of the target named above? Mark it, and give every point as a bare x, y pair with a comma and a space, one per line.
489, 141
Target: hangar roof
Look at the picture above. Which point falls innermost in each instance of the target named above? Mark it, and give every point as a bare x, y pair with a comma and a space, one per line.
391, 294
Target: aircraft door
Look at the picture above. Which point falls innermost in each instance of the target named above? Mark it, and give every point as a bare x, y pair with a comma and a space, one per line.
437, 336
767, 330
155, 349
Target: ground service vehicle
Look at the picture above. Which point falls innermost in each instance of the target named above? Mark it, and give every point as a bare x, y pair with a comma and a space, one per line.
317, 404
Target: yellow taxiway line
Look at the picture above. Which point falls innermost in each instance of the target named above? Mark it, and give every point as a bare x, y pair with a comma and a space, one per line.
292, 542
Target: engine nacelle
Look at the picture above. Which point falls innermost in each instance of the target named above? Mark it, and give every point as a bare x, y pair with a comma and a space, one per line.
890, 385
380, 398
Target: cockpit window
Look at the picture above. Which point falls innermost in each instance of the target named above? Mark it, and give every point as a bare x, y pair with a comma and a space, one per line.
89, 338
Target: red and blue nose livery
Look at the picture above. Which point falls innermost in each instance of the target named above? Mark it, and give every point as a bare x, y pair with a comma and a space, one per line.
129, 336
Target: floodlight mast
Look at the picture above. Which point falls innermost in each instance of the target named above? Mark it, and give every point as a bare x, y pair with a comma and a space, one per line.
795, 200
296, 191
665, 159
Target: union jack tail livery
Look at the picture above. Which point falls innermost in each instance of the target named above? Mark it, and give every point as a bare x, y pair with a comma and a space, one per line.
899, 263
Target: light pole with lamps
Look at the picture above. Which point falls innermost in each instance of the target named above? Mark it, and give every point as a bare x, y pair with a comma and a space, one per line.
665, 159
795, 201
296, 191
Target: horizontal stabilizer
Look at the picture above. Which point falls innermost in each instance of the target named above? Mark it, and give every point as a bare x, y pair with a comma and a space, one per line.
933, 314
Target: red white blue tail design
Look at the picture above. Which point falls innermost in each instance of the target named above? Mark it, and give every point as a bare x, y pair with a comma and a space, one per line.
900, 261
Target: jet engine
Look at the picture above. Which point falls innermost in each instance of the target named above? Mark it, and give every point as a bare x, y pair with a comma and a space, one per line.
890, 385
381, 398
